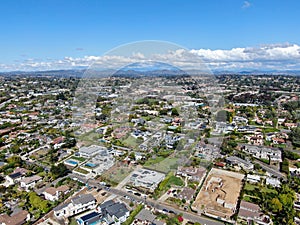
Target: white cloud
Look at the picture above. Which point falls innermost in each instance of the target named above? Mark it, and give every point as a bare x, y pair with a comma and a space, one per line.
246, 4
275, 56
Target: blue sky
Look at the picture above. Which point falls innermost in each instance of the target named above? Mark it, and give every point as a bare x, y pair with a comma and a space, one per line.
45, 30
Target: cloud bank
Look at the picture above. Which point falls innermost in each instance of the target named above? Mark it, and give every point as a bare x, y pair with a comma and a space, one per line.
265, 57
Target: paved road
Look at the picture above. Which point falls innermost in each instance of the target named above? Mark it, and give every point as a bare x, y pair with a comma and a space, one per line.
151, 202
270, 169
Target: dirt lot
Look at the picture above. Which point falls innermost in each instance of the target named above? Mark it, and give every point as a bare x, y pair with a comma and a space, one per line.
223, 186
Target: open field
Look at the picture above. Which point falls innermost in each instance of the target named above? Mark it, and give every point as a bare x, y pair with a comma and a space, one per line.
117, 173
219, 193
162, 165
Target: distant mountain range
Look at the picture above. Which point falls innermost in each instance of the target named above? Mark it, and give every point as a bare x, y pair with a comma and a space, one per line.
134, 72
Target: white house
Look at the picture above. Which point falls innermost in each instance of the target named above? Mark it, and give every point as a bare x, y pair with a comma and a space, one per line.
91, 151
273, 181
53, 194
29, 182
77, 205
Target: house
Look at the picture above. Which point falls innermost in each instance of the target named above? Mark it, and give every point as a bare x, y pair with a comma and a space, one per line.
146, 178
236, 161
91, 218
91, 151
278, 141
262, 152
250, 212
273, 182
146, 217
17, 218
113, 212
239, 119
290, 125
195, 174
77, 205
53, 194
16, 176
253, 178
13, 178
187, 194
29, 182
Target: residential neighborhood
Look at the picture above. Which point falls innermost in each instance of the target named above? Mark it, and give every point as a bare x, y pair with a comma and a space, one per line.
163, 152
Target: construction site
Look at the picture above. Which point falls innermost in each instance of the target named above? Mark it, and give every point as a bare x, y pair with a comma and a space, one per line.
219, 194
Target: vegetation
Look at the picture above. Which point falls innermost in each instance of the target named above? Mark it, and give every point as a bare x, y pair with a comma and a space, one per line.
167, 183
130, 219
59, 171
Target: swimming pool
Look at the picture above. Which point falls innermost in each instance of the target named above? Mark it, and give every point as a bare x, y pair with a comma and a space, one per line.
90, 165
71, 162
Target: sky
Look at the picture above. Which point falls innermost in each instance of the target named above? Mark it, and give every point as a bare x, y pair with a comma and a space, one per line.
226, 34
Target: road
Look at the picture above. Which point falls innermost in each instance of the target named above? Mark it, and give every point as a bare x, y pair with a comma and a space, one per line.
270, 170
158, 205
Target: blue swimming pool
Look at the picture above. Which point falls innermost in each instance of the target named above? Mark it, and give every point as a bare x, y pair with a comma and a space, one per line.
90, 165
72, 162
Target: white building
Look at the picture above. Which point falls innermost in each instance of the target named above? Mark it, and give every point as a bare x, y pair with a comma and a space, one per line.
91, 151
29, 182
147, 178
273, 182
261, 152
253, 178
53, 193
77, 205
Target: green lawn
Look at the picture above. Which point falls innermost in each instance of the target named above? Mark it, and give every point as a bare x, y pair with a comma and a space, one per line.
80, 170
131, 142
167, 183
81, 159
90, 137
252, 187
155, 160
164, 165
270, 129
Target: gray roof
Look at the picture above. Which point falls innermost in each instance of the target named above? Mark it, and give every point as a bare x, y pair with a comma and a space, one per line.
83, 199
118, 210
114, 209
157, 222
145, 214
60, 207
107, 204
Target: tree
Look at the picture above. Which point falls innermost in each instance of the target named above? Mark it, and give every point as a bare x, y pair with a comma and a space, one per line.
295, 136
15, 160
132, 156
37, 203
174, 112
59, 171
275, 205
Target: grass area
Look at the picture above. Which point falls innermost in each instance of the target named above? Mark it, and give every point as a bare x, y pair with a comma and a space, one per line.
81, 159
270, 129
176, 201
131, 142
116, 175
155, 160
73, 221
249, 198
249, 187
164, 165
90, 137
80, 170
166, 184
253, 187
